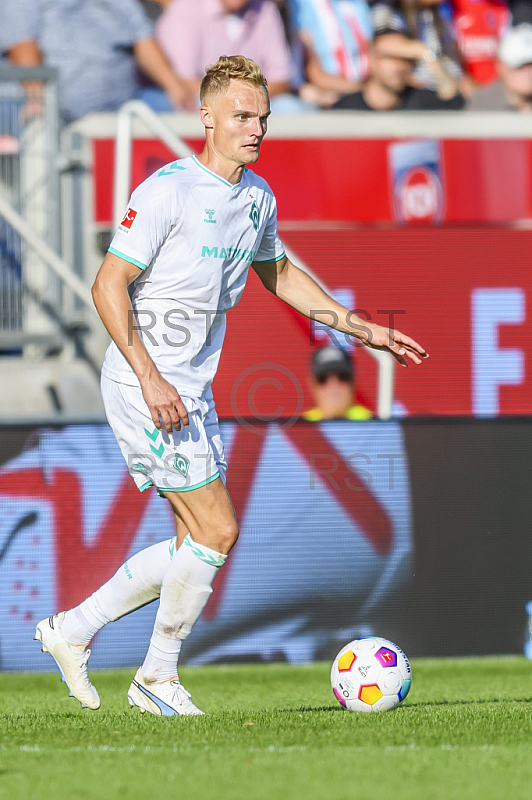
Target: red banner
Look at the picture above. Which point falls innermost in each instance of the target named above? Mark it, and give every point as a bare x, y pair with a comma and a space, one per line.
465, 294
462, 292
367, 180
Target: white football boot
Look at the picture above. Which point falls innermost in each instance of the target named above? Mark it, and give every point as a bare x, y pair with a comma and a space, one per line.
168, 699
70, 658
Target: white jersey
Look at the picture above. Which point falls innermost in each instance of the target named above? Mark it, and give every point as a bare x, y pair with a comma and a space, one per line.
194, 235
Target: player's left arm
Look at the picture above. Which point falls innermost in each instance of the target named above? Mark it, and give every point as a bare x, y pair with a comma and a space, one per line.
298, 290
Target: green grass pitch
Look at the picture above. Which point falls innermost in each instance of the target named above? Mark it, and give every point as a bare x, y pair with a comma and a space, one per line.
274, 732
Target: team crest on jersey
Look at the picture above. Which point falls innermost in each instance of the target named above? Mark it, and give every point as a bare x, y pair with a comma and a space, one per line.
254, 216
181, 464
129, 219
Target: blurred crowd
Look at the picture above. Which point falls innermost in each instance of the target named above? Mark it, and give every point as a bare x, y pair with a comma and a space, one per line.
364, 55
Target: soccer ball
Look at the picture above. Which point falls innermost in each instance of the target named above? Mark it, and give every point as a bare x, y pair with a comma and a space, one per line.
371, 674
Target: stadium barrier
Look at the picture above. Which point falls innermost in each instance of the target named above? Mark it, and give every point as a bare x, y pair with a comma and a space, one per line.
417, 220
30, 311
415, 530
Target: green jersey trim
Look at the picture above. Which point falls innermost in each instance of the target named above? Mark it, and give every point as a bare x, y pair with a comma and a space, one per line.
190, 488
214, 175
145, 486
127, 258
270, 260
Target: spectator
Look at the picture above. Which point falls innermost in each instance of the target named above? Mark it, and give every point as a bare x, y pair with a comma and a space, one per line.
332, 384
388, 88
334, 36
513, 90
194, 33
479, 26
95, 47
430, 22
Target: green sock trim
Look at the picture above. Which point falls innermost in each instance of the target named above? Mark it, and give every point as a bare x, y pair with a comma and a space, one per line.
205, 553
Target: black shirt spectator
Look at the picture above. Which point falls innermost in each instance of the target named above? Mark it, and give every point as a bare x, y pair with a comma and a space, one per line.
389, 85
410, 99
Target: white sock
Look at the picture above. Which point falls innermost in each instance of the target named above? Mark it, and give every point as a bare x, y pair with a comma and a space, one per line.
184, 594
135, 584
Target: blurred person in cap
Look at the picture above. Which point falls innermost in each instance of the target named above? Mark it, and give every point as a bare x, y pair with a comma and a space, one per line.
332, 384
513, 90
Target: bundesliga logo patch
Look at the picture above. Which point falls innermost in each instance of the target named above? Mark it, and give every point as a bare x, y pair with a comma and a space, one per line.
128, 220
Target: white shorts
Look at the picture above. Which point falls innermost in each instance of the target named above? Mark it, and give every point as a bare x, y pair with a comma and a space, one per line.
172, 462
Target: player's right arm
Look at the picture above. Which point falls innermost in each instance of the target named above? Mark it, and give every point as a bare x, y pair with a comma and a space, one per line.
112, 301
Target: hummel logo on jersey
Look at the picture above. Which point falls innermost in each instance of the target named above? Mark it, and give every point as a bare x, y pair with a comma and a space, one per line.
254, 216
181, 464
170, 169
129, 219
210, 212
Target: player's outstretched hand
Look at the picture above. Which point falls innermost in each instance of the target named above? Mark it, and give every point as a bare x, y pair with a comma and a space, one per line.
399, 345
166, 407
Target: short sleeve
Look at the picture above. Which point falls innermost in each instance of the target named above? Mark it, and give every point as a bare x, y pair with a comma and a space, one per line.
20, 22
149, 218
271, 247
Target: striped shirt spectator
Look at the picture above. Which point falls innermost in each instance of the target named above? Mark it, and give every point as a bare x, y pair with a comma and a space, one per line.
338, 32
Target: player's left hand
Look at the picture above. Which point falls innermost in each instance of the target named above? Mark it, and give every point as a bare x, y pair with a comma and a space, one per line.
397, 343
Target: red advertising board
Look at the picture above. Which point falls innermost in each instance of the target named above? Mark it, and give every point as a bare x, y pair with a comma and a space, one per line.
464, 293
423, 226
359, 180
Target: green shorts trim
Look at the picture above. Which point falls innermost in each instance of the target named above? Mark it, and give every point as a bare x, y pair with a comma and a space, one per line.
127, 258
185, 489
190, 488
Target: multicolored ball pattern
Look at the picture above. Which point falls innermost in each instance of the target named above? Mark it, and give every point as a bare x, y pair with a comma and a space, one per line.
371, 674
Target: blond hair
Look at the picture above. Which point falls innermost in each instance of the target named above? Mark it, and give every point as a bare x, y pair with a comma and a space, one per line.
227, 69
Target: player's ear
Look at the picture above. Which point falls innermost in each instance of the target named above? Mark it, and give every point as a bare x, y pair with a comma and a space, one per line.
206, 116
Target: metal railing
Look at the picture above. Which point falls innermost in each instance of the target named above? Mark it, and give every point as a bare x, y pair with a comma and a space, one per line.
32, 283
122, 176
122, 184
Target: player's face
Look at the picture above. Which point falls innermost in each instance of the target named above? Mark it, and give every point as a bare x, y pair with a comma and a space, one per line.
239, 121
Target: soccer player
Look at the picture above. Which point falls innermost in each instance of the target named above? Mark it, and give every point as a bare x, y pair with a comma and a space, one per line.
189, 236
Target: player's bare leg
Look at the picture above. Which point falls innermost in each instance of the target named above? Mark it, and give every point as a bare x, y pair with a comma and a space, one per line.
208, 515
